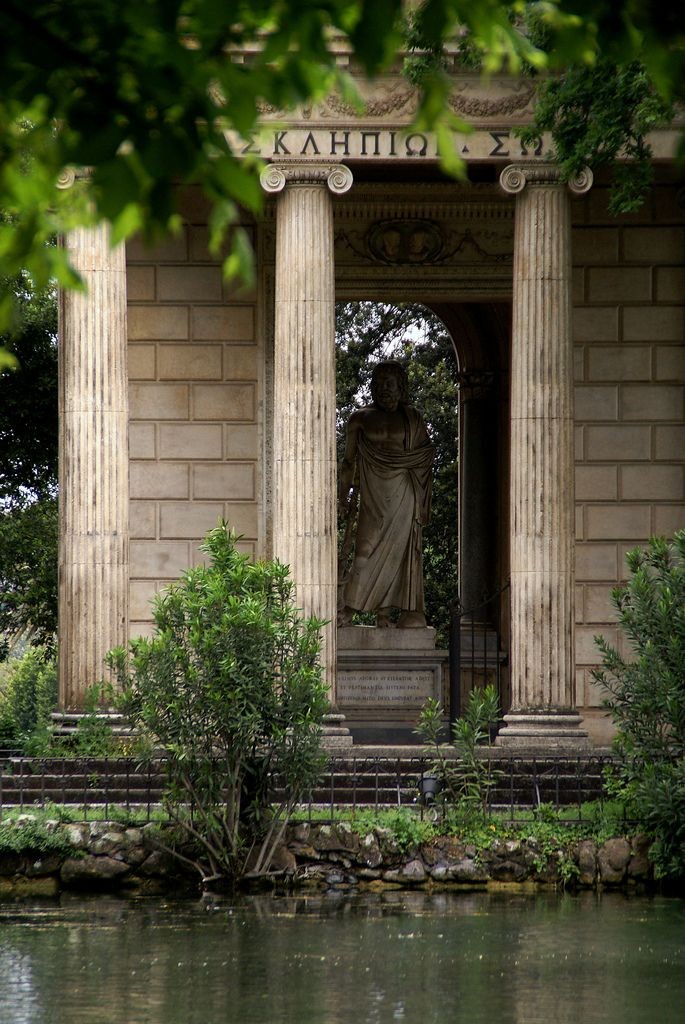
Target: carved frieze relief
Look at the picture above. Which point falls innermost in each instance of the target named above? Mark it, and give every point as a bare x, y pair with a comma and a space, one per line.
379, 126
467, 102
421, 243
389, 101
405, 241
393, 97
443, 243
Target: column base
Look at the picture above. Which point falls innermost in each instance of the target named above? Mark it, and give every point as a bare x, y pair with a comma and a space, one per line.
335, 733
550, 731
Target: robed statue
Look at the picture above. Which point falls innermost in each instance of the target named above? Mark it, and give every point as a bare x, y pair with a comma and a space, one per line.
388, 460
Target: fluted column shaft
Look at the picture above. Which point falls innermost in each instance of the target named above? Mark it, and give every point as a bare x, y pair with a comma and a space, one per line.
542, 463
304, 505
93, 464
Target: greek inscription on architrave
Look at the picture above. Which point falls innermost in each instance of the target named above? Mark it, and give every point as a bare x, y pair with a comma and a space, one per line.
385, 144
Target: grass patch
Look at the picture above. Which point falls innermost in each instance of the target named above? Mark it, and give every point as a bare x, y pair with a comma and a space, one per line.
598, 821
73, 814
34, 836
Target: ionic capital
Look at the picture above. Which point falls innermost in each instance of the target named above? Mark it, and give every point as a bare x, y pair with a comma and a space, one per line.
70, 175
336, 177
515, 177
474, 384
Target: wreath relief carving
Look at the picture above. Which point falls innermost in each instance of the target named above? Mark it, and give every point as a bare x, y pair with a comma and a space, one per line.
426, 243
405, 241
399, 98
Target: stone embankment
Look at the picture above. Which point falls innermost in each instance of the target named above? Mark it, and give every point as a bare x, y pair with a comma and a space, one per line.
107, 855
336, 855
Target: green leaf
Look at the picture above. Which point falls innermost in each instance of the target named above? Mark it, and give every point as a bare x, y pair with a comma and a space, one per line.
127, 223
8, 361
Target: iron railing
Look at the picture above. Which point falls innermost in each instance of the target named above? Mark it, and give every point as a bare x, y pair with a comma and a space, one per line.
477, 649
86, 784
100, 785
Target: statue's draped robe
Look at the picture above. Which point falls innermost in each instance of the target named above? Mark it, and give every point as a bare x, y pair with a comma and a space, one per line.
394, 506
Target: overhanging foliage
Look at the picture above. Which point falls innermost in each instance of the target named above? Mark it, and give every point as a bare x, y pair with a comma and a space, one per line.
143, 93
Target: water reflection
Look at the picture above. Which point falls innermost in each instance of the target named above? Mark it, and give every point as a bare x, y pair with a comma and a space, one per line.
337, 958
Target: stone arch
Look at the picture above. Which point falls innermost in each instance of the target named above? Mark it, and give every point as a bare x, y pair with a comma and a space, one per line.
480, 336
449, 451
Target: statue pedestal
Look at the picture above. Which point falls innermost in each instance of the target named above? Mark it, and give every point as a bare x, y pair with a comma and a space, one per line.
385, 676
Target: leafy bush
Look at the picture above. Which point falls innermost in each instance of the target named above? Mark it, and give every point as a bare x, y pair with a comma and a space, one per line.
467, 780
31, 834
596, 112
28, 471
646, 696
230, 685
28, 574
407, 829
94, 735
29, 696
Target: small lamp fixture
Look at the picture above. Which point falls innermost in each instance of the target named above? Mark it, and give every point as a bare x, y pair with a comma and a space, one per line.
429, 786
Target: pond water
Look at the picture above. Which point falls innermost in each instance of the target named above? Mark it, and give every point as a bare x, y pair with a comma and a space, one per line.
341, 958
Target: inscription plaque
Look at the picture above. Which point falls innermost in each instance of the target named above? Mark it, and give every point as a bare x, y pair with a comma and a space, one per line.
394, 688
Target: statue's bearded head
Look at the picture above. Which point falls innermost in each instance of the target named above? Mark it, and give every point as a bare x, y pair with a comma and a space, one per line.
389, 385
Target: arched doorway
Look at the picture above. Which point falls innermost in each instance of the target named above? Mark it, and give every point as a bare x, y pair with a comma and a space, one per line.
459, 382
412, 334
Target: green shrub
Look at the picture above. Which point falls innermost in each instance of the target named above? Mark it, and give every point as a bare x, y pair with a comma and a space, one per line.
29, 834
28, 697
230, 685
646, 697
94, 736
28, 573
467, 779
406, 827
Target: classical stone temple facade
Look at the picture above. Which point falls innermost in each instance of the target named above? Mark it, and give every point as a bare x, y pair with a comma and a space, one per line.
184, 398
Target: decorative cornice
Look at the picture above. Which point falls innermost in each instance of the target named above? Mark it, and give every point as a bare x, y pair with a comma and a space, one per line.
402, 207
482, 204
337, 177
515, 177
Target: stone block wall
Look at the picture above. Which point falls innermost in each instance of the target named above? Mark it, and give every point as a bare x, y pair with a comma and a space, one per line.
629, 333
194, 372
196, 367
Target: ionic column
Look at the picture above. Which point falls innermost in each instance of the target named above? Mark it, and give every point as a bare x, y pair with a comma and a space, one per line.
542, 474
93, 464
304, 485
